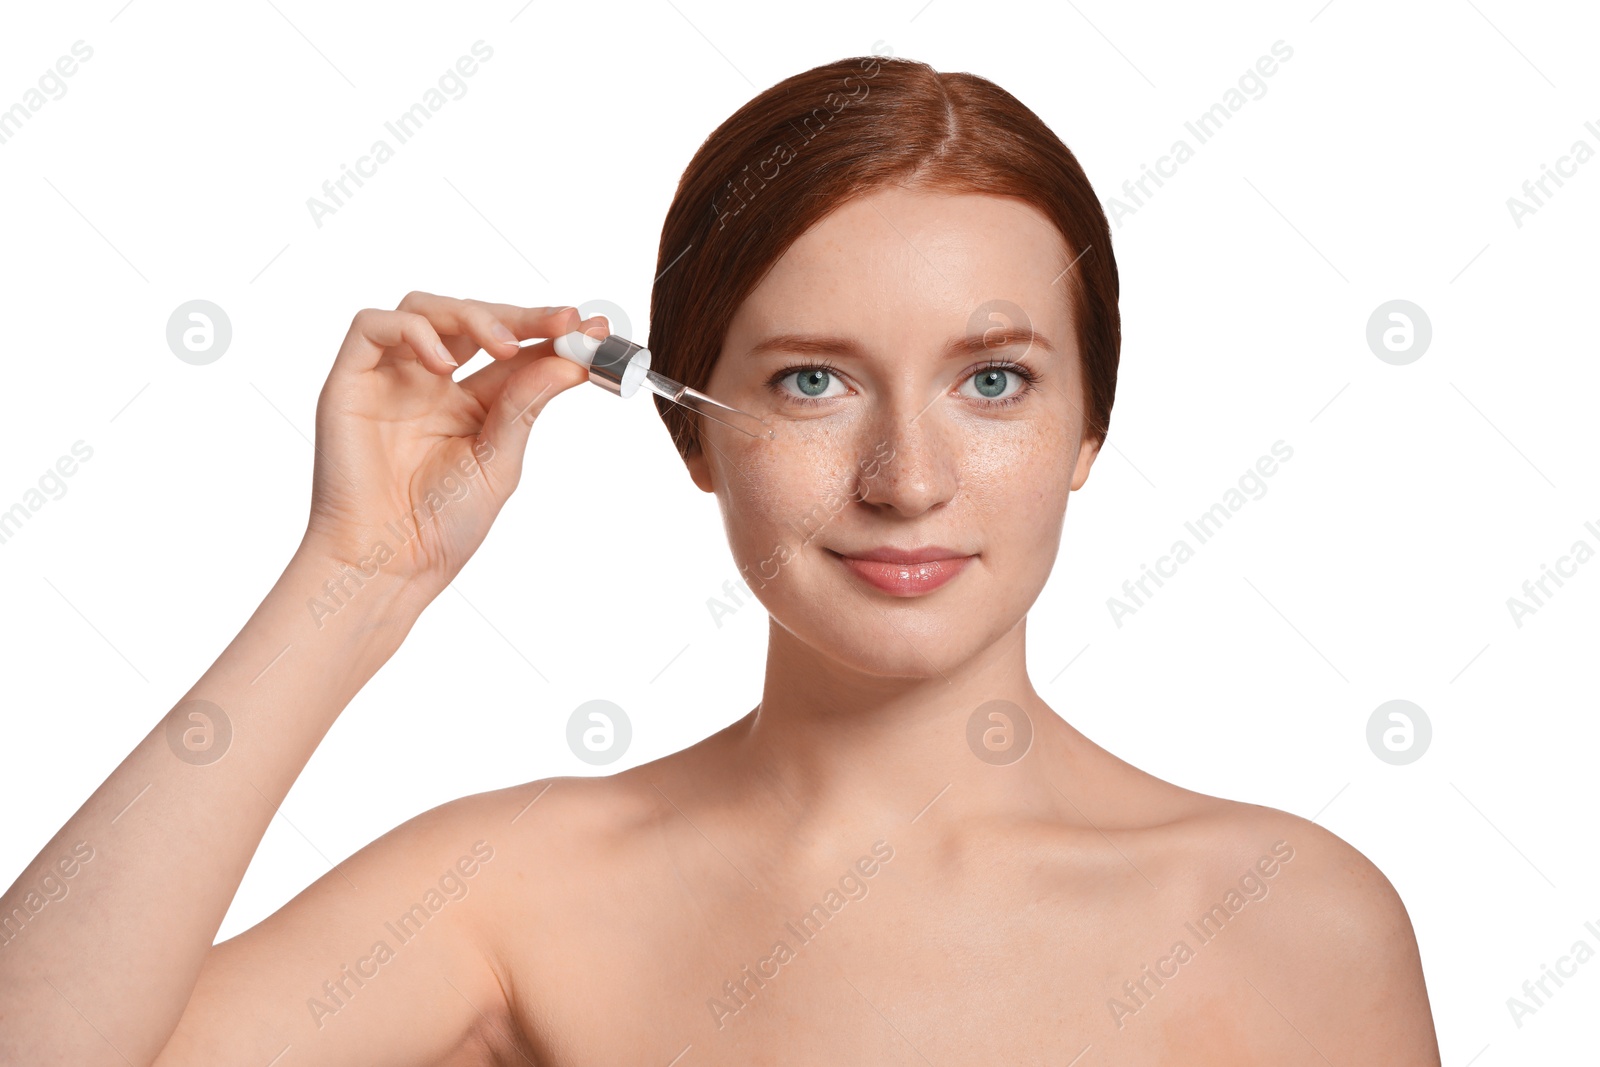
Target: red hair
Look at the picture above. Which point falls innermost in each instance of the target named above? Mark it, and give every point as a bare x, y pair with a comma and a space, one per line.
804, 147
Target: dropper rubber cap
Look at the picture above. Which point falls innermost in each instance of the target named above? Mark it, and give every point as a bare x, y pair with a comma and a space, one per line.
577, 346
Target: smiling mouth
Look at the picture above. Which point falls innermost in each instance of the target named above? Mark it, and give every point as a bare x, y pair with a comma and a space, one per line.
904, 579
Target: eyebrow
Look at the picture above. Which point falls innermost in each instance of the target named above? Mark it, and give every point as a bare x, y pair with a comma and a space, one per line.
823, 344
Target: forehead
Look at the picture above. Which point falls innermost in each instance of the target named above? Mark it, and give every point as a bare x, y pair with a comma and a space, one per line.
901, 263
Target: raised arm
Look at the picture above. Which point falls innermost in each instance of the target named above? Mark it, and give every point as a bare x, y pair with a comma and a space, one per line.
106, 938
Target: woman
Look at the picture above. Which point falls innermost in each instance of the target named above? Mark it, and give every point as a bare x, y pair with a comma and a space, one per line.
902, 854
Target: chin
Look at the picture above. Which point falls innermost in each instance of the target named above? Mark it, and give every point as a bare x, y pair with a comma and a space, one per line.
879, 652
928, 636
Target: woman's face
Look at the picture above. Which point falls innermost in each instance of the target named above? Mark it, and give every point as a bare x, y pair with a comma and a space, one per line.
912, 438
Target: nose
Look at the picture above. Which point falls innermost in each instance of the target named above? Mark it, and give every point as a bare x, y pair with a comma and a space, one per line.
910, 462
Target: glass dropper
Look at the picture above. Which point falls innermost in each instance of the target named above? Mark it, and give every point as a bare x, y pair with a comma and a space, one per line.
696, 401
622, 367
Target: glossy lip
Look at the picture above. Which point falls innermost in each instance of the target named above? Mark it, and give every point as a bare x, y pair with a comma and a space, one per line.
905, 572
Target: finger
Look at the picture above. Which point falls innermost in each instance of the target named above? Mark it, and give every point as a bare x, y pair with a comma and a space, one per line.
469, 326
485, 383
510, 418
373, 331
534, 322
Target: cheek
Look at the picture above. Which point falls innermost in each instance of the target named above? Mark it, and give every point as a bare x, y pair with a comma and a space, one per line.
1019, 472
781, 490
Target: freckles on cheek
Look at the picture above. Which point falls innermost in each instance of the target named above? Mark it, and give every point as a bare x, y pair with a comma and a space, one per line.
1007, 472
770, 486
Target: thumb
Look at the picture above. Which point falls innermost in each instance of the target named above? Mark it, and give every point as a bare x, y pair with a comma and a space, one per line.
523, 395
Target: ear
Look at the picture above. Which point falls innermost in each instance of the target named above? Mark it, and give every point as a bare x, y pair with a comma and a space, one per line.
699, 469
1087, 451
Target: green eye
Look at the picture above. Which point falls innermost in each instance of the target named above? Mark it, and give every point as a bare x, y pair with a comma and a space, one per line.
813, 381
991, 382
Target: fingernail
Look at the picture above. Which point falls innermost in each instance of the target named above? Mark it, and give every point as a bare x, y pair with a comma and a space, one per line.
444, 354
499, 332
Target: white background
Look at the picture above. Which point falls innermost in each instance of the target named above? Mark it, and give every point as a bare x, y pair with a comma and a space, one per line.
1377, 565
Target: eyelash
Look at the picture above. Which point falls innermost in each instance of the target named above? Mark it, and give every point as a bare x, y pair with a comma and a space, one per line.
1026, 374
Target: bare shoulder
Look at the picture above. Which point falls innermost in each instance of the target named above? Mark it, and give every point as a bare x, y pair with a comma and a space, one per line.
1327, 895
1292, 855
576, 855
569, 823
612, 826
1316, 937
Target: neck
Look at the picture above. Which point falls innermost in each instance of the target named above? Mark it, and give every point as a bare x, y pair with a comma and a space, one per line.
840, 748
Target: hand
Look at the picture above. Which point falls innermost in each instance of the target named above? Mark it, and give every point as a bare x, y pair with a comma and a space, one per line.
412, 467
